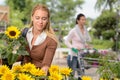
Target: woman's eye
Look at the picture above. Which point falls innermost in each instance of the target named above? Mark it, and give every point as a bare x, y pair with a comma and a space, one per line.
37, 17
44, 18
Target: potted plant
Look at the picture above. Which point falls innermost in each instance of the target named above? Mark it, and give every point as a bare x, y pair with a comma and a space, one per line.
110, 67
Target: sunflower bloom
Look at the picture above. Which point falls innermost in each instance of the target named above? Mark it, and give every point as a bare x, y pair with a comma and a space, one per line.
54, 68
86, 78
12, 32
8, 76
65, 71
17, 68
4, 69
23, 76
55, 76
116, 79
28, 67
104, 79
37, 72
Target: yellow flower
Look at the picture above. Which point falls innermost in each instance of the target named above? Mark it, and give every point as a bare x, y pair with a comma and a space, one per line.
116, 79
102, 79
37, 72
12, 32
17, 68
54, 68
28, 67
86, 78
4, 69
65, 71
55, 76
8, 76
23, 76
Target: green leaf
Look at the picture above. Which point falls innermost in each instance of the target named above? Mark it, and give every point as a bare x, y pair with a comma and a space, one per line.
20, 52
12, 58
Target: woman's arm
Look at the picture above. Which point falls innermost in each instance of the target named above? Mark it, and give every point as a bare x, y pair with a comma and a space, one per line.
49, 54
68, 39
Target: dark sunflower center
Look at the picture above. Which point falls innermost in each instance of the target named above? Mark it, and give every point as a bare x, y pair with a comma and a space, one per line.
12, 33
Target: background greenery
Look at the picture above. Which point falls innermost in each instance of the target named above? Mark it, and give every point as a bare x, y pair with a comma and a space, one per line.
104, 29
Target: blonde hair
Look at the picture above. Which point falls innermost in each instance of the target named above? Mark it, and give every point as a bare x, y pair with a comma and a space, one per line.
48, 29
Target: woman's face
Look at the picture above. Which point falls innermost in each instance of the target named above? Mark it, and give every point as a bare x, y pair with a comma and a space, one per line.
82, 21
40, 19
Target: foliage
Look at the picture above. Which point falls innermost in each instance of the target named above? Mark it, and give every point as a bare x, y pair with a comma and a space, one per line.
106, 22
106, 26
63, 11
14, 44
110, 68
110, 4
92, 56
102, 44
16, 19
19, 11
108, 34
58, 9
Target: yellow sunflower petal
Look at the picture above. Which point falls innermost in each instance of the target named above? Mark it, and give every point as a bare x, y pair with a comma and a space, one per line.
12, 32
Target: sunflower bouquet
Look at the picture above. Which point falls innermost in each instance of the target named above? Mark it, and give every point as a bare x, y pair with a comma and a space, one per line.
13, 45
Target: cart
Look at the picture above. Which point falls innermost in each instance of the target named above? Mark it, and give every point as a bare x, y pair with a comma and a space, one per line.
81, 54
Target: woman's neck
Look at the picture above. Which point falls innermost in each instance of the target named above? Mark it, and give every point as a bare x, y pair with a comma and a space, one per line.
81, 26
36, 32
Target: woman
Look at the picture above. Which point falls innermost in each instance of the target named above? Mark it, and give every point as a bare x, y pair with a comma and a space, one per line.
41, 39
76, 40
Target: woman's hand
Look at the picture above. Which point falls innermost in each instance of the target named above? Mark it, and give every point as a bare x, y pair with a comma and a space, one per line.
45, 69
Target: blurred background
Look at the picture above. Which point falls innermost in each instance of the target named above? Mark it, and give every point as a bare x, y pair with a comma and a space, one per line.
102, 18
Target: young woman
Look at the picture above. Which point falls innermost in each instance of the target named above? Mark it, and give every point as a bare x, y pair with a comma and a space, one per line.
41, 39
77, 39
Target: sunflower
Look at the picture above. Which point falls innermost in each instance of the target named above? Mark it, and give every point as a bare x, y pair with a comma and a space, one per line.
17, 68
4, 69
23, 76
28, 67
55, 76
37, 72
8, 76
54, 68
86, 78
65, 71
12, 32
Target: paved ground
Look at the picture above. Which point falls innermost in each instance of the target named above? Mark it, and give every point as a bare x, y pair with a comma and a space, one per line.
60, 60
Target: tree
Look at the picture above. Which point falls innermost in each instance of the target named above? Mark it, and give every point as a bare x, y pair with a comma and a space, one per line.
61, 10
105, 23
20, 11
106, 4
106, 26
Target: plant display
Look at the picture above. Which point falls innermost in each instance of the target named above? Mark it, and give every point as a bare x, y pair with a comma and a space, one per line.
28, 71
110, 68
14, 45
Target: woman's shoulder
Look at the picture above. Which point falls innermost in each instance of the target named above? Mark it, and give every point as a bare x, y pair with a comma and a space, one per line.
72, 31
50, 40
